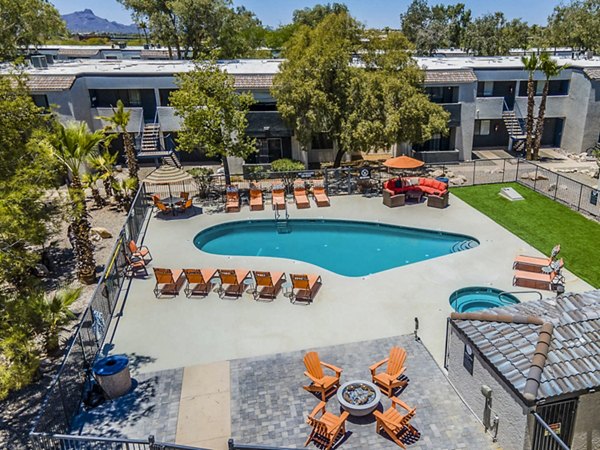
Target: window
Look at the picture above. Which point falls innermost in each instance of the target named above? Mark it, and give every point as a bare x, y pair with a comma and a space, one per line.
271, 106
539, 87
269, 150
164, 96
442, 94
482, 127
135, 97
40, 100
485, 89
555, 87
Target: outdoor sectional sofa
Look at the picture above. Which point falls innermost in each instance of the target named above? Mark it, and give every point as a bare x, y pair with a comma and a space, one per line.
396, 190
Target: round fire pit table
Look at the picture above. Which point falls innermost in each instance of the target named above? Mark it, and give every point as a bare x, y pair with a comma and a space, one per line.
359, 397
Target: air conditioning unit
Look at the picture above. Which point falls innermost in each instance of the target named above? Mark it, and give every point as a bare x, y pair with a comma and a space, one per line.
39, 61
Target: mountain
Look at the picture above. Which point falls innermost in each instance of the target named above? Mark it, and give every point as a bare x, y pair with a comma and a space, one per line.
87, 22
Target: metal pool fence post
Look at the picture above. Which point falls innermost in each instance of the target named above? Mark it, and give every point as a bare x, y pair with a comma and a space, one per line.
503, 169
349, 181
556, 187
326, 181
474, 170
580, 193
535, 178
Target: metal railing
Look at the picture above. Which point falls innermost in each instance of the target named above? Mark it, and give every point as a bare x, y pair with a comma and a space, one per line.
67, 442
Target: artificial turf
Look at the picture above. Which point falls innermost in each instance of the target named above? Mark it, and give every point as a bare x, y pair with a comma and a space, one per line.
542, 223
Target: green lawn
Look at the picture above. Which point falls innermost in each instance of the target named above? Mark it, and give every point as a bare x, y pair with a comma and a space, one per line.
542, 223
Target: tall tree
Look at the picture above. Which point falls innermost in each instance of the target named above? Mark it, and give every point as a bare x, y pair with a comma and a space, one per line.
551, 69
413, 20
213, 113
72, 145
313, 16
575, 24
483, 35
531, 64
27, 22
120, 120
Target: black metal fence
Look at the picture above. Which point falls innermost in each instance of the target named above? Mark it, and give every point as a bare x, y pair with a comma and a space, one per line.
67, 442
65, 394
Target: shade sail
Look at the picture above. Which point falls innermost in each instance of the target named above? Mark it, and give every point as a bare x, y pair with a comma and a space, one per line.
166, 174
403, 162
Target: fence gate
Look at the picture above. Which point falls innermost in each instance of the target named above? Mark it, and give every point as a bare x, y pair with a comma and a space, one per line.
560, 417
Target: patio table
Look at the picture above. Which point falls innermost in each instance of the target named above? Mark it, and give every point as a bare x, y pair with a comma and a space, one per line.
172, 201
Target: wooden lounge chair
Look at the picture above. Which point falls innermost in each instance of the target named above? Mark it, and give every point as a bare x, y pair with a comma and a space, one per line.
268, 284
198, 281
533, 280
321, 197
304, 287
395, 424
232, 282
256, 199
300, 197
233, 200
278, 198
142, 252
327, 428
321, 383
168, 282
388, 381
135, 265
534, 264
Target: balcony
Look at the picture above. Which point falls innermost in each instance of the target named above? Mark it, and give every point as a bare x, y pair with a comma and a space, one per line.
455, 110
489, 107
168, 120
136, 119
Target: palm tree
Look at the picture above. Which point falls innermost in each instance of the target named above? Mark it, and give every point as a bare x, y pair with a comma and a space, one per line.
72, 145
105, 163
531, 64
90, 180
120, 119
550, 68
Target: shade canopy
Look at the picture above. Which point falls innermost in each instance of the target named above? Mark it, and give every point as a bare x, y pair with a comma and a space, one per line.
403, 162
167, 174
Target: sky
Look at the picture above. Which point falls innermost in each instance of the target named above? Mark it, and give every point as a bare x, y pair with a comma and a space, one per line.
375, 13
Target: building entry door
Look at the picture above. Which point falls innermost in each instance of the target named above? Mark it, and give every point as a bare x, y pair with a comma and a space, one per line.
560, 417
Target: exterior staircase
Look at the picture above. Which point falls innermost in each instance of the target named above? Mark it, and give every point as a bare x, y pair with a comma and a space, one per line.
516, 133
151, 147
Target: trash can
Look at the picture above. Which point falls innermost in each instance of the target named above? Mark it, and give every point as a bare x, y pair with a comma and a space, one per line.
112, 374
443, 179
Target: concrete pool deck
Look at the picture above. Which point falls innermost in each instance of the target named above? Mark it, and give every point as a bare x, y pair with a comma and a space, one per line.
178, 332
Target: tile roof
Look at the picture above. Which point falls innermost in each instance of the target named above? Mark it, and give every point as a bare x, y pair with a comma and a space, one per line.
573, 359
592, 73
259, 81
50, 83
449, 76
155, 53
78, 52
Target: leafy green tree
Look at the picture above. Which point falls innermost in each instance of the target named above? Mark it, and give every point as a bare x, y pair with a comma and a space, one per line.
27, 22
213, 113
531, 64
483, 35
414, 19
120, 120
311, 17
203, 177
124, 192
72, 145
575, 24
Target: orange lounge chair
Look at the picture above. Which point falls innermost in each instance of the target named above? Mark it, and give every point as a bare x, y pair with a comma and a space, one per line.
168, 282
533, 280
388, 380
256, 199
320, 383
321, 197
163, 208
278, 198
139, 252
327, 428
198, 281
304, 287
234, 282
535, 264
268, 284
232, 200
188, 204
135, 265
300, 197
396, 425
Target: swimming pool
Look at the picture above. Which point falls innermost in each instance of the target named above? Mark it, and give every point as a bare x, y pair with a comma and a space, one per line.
475, 298
349, 248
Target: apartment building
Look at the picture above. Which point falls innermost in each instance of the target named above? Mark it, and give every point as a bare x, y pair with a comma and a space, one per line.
486, 98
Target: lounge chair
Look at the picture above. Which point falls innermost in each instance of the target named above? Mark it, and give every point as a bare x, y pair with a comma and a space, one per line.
142, 252
198, 281
533, 280
535, 264
304, 287
327, 428
187, 205
233, 200
232, 282
320, 383
268, 284
135, 265
256, 199
278, 201
300, 197
321, 197
168, 282
395, 424
163, 208
388, 381
155, 199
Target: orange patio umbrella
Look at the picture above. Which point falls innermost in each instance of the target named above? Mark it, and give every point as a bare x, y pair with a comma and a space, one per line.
403, 162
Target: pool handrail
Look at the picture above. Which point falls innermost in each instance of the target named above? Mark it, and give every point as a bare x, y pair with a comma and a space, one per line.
520, 292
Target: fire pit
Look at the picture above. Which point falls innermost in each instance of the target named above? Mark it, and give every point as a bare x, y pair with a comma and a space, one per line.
358, 397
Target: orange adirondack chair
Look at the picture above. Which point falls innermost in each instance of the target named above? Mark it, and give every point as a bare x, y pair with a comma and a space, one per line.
388, 380
278, 198
268, 284
168, 282
139, 252
256, 199
396, 425
233, 280
321, 197
305, 287
198, 281
321, 383
300, 197
327, 428
233, 200
188, 204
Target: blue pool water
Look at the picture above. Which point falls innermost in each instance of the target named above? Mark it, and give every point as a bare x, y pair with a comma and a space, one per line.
475, 298
348, 248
